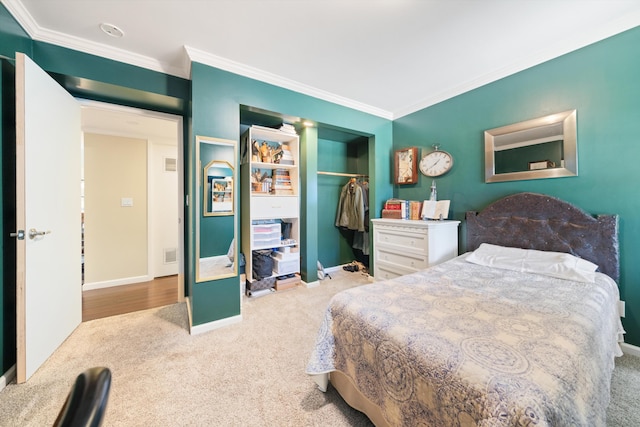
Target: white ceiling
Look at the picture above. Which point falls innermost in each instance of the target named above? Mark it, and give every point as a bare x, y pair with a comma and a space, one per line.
385, 57
109, 119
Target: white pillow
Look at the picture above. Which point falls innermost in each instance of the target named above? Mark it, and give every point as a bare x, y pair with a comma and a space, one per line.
554, 264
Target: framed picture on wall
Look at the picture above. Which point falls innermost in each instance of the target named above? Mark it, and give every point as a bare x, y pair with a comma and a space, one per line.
406, 166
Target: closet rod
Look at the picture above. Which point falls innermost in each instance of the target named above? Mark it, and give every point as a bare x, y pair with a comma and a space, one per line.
353, 175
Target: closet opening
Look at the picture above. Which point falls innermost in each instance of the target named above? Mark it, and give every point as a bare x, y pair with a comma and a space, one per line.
330, 158
343, 198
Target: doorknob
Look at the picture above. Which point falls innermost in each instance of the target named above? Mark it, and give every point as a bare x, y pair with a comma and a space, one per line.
33, 233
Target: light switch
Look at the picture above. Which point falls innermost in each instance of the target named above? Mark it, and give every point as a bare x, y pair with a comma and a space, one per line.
126, 202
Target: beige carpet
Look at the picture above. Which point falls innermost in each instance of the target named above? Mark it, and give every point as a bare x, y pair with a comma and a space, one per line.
247, 374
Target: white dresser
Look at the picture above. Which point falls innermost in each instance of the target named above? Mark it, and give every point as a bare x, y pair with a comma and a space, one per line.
406, 246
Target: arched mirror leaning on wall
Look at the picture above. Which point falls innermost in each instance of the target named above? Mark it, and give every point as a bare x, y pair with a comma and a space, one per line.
218, 188
216, 226
546, 147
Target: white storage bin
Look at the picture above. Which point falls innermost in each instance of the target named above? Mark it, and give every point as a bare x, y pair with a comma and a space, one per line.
274, 207
281, 267
286, 256
265, 235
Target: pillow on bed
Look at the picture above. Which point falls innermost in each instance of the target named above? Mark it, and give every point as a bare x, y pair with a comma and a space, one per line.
554, 264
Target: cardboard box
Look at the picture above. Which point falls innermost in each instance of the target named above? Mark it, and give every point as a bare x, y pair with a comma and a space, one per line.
288, 283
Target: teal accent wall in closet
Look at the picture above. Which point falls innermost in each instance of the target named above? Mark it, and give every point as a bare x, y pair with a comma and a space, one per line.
600, 81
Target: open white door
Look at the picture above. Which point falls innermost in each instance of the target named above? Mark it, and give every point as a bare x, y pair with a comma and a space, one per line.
48, 288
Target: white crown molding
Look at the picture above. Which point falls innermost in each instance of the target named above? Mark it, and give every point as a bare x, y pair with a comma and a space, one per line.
105, 51
21, 15
183, 70
24, 18
225, 64
554, 51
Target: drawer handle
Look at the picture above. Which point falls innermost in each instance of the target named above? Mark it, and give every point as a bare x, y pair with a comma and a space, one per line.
276, 206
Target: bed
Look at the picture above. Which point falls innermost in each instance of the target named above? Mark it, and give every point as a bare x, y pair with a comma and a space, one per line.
520, 330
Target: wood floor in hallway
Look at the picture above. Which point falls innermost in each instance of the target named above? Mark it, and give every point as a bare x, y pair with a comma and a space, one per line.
98, 303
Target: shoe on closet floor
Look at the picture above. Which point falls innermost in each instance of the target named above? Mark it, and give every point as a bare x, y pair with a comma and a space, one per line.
351, 267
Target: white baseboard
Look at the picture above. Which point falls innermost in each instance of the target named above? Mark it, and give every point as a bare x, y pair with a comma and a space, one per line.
313, 284
7, 377
334, 268
630, 349
216, 324
116, 282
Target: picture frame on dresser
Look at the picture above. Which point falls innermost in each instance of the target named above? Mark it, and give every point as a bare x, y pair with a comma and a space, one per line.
406, 166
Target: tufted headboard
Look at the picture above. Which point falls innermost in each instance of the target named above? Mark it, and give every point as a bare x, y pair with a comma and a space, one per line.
536, 221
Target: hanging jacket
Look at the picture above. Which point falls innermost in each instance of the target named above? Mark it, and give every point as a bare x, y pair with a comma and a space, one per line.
365, 201
351, 208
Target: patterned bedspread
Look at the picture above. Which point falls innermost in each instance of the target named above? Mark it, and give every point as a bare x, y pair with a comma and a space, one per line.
463, 344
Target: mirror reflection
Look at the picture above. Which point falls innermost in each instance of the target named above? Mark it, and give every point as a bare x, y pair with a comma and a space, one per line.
216, 225
218, 188
545, 147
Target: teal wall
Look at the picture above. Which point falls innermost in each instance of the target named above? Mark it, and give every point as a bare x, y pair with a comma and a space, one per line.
602, 82
517, 159
217, 99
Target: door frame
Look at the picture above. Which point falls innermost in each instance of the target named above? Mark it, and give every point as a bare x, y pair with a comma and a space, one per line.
88, 103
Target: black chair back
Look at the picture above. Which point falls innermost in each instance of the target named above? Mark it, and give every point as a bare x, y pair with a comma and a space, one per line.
87, 401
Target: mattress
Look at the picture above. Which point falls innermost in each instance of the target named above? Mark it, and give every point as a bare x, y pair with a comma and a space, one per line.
465, 344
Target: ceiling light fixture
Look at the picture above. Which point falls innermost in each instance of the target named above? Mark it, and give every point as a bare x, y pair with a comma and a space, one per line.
111, 30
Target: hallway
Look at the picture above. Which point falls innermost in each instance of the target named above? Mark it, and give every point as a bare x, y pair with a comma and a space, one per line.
99, 303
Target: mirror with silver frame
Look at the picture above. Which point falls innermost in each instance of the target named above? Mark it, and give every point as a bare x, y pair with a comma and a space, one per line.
545, 147
216, 226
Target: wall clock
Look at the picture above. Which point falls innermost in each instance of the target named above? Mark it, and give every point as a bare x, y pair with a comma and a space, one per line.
406, 166
436, 163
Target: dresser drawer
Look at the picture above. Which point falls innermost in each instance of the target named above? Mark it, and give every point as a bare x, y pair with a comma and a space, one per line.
405, 246
408, 259
401, 239
263, 207
384, 271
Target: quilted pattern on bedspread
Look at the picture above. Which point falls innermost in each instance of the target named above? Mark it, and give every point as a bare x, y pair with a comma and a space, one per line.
463, 344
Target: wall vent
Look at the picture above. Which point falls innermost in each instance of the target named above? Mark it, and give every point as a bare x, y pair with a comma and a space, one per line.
170, 165
170, 255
